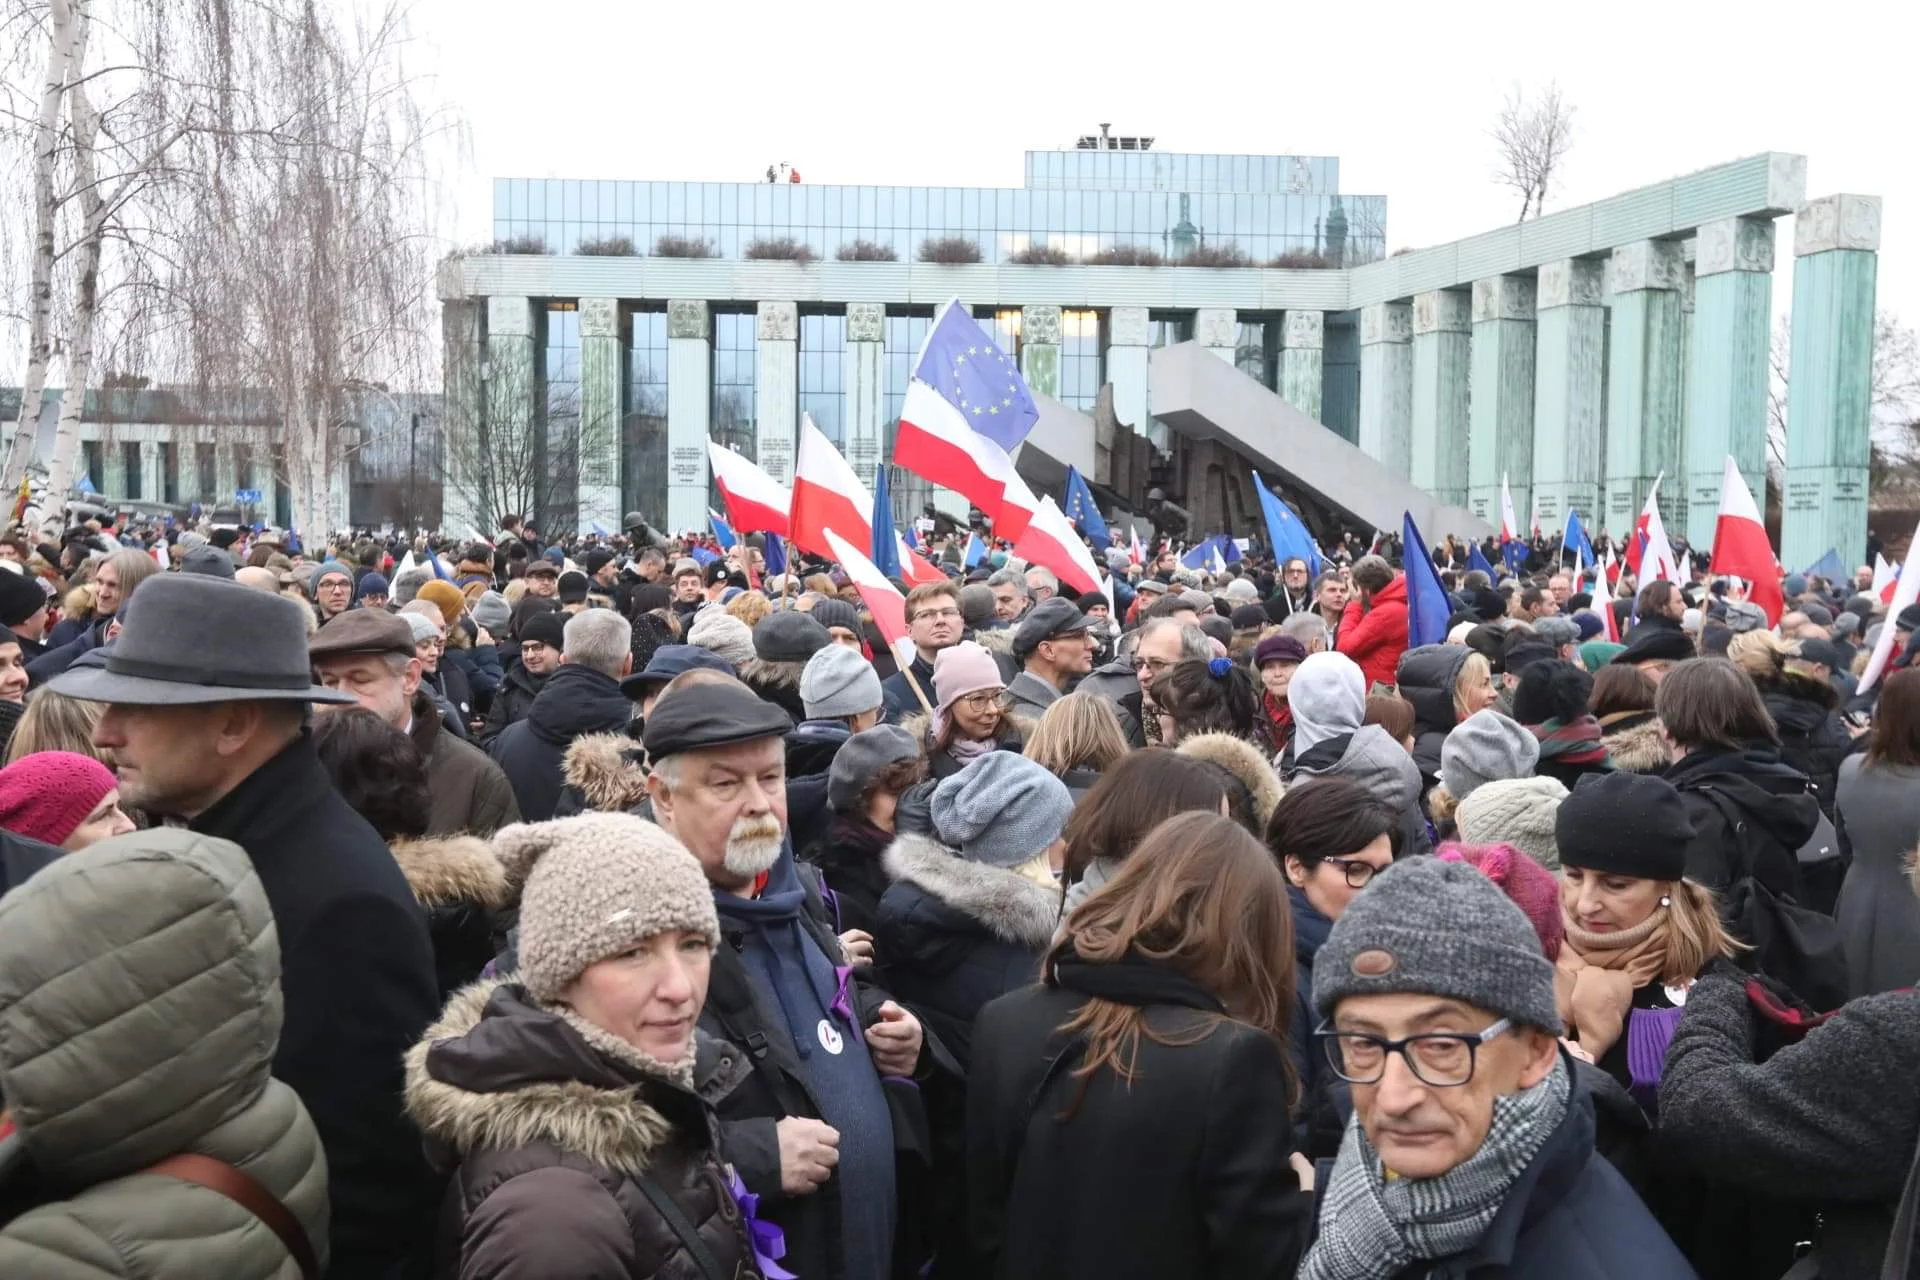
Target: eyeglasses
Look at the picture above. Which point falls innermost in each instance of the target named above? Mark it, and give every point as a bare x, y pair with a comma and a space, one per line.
1442, 1059
1152, 666
983, 701
1357, 873
937, 615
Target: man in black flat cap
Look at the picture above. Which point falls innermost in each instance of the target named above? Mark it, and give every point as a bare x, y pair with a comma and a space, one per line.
1054, 649
207, 690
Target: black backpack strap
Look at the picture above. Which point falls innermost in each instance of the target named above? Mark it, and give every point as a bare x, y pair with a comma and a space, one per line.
676, 1220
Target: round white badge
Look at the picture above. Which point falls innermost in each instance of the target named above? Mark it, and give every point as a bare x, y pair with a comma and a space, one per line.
1677, 996
829, 1038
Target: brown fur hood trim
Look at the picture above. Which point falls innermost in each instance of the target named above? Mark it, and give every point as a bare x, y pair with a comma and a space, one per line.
1012, 728
453, 869
599, 767
1640, 749
1244, 762
1010, 906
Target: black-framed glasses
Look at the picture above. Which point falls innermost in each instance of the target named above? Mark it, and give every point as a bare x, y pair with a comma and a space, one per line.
1443, 1059
1358, 873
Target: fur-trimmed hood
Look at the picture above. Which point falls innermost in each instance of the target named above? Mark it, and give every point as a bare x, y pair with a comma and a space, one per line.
449, 869
995, 640
605, 769
1245, 762
1002, 901
1639, 748
761, 674
498, 1072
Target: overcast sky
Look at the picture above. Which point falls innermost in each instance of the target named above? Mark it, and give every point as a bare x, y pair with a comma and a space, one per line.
851, 91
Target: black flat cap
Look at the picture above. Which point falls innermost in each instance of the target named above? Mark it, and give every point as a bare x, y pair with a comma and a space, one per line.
1050, 619
703, 716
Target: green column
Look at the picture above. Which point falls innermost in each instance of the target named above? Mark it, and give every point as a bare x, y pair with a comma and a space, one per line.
1040, 349
1303, 361
776, 407
1442, 368
1386, 384
1727, 377
866, 389
113, 467
1569, 389
602, 380
1502, 410
1644, 385
1830, 380
1218, 330
689, 410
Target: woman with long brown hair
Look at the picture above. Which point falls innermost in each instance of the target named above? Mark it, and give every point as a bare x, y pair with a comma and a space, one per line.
1129, 1116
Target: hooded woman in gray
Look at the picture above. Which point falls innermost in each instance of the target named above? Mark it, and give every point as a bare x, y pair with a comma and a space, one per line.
1329, 699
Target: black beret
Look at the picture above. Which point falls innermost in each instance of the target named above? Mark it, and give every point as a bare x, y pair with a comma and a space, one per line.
20, 597
721, 714
1625, 824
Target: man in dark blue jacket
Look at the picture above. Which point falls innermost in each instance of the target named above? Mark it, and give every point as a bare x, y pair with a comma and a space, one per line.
583, 697
1472, 1151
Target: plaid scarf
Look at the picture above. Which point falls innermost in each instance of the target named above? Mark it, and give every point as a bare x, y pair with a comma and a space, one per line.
1372, 1228
1576, 743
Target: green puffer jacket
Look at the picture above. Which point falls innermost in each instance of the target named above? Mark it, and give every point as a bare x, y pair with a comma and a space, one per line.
139, 1011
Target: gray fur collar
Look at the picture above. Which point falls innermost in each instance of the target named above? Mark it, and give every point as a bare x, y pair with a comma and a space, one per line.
771, 675
1010, 906
599, 766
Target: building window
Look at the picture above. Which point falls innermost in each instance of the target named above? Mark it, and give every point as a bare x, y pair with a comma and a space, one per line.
735, 391
1256, 352
556, 437
243, 466
1082, 359
1003, 328
904, 336
823, 371
130, 467
206, 473
643, 423
1167, 328
169, 473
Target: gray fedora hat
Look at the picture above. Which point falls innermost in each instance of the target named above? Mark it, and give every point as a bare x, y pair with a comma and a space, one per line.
187, 639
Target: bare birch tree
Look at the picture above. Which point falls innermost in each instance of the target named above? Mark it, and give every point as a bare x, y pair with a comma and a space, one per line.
1532, 135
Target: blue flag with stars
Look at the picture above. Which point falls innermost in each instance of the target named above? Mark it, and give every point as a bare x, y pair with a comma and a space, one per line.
776, 554
961, 363
885, 547
1285, 533
1084, 511
1475, 560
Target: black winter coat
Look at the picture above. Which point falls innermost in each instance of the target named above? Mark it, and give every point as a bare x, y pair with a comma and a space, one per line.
848, 860
576, 701
511, 702
1183, 1172
20, 857
357, 977
1813, 737
1751, 814
1426, 677
555, 1136
453, 686
954, 934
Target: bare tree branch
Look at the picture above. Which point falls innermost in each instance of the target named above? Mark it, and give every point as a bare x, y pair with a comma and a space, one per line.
1532, 135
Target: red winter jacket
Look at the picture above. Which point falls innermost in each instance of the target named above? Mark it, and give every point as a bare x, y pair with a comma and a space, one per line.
1377, 637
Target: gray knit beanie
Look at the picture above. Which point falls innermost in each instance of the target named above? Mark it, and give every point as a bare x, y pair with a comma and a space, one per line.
1486, 747
595, 885
1002, 809
831, 613
1440, 929
837, 681
716, 629
1516, 811
493, 612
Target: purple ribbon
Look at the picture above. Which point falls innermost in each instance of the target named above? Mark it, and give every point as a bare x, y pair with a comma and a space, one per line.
769, 1243
842, 1005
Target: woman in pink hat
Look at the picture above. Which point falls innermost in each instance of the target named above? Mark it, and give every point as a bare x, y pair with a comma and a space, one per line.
62, 799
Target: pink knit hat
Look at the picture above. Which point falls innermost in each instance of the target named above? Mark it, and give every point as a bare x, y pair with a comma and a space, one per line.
963, 669
46, 795
1532, 887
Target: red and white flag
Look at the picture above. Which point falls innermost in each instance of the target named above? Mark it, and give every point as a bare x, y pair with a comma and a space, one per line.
1906, 586
1135, 552
1509, 524
882, 598
915, 568
1533, 518
1740, 545
1051, 542
827, 495
756, 502
1649, 554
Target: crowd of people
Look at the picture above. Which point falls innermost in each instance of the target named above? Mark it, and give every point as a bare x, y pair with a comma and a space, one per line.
617, 908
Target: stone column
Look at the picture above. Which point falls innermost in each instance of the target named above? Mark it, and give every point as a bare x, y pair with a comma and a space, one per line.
866, 388
1830, 380
463, 400
1569, 391
226, 479
602, 391
1386, 384
152, 483
776, 375
1040, 349
186, 466
508, 399
1127, 371
689, 411
113, 471
1218, 330
1502, 412
1303, 339
1441, 368
1727, 382
1644, 385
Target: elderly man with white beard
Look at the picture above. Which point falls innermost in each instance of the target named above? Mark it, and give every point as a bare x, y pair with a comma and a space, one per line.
811, 1130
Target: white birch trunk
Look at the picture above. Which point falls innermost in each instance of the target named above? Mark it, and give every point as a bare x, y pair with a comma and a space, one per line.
86, 285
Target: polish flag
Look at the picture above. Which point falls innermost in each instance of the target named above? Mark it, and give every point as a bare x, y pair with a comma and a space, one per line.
1533, 519
1884, 576
1893, 585
1136, 553
1650, 539
827, 494
1051, 542
1906, 590
936, 443
915, 568
1740, 545
882, 598
160, 556
1509, 525
756, 502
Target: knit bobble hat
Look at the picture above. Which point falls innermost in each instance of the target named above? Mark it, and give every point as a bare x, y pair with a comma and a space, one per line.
593, 886
716, 629
1002, 809
1441, 929
1533, 888
837, 681
1625, 824
46, 795
1517, 811
1483, 748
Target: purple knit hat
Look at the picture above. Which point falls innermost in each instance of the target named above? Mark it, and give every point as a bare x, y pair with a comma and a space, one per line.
46, 795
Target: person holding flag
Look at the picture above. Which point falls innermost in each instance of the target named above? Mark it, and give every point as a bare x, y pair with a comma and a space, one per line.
1373, 632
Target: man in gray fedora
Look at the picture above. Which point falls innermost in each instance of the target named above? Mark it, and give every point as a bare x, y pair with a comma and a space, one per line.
207, 692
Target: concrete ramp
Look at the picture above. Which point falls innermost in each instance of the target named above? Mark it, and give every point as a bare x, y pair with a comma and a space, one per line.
1062, 438
1201, 396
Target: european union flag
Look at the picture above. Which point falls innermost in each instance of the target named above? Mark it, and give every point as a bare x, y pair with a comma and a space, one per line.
976, 549
1475, 560
1427, 607
1217, 551
722, 531
961, 363
886, 544
1575, 539
1084, 511
703, 556
1828, 566
1514, 553
1285, 531
776, 554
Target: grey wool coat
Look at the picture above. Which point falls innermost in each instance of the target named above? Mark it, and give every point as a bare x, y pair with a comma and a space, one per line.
139, 1011
1879, 915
